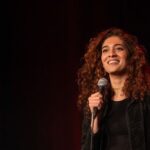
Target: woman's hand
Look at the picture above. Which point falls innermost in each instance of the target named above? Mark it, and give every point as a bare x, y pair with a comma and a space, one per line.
95, 100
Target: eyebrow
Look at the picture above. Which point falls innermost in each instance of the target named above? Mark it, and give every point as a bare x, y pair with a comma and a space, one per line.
114, 45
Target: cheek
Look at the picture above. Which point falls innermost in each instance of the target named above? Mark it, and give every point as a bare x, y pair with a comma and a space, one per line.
103, 59
124, 58
103, 62
124, 55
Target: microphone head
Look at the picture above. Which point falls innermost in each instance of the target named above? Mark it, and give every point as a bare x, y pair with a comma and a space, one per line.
102, 83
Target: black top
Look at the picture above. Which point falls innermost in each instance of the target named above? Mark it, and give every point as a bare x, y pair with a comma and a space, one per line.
117, 137
137, 121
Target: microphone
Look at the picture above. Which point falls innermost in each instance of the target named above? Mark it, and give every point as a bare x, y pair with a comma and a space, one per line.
102, 83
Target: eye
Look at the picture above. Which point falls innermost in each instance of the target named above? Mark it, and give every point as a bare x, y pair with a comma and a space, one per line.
119, 48
104, 50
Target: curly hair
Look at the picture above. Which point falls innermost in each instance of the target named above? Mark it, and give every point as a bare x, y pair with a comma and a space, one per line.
138, 82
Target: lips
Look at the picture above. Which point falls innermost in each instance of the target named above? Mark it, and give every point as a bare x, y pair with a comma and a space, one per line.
114, 61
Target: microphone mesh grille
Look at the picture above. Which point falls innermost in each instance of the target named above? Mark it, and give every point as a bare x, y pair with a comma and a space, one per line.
102, 82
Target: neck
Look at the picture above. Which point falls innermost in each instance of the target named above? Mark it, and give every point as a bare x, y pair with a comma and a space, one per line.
117, 84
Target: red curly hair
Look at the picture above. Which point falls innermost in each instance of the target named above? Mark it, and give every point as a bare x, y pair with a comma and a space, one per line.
138, 81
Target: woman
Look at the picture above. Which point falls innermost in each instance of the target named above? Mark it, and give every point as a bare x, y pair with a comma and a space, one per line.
122, 120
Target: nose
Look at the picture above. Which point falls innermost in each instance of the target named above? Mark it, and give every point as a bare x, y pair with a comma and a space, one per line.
112, 53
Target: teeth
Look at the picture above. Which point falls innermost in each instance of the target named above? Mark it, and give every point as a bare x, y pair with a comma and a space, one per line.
113, 61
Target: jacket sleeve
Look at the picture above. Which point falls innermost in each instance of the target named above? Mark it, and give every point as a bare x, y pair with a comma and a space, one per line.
86, 137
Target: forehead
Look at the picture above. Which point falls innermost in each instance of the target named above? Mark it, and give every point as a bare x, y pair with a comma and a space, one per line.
112, 40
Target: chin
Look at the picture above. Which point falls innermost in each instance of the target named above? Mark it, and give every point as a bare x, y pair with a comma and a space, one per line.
117, 72
112, 71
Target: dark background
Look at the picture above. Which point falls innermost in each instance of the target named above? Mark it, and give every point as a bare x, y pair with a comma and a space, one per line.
45, 40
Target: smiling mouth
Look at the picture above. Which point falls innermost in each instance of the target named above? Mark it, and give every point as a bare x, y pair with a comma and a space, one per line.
113, 62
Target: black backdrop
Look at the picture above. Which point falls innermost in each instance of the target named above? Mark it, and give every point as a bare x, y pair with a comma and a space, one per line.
45, 40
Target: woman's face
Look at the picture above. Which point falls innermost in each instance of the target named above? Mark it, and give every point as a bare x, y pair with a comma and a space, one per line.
114, 55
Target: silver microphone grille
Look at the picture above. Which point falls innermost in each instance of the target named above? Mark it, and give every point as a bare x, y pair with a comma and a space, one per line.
102, 82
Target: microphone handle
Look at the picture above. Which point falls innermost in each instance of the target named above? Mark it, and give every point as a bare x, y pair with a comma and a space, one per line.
95, 109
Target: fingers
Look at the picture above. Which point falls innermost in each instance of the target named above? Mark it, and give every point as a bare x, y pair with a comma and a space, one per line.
95, 100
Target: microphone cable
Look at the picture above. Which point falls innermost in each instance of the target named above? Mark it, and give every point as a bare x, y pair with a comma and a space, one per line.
92, 125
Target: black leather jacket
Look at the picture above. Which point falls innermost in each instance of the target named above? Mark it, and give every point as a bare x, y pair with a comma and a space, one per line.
138, 121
